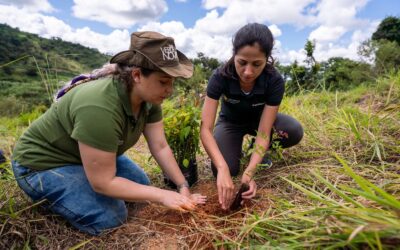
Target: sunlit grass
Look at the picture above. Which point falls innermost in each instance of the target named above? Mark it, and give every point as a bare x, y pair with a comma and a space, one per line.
340, 188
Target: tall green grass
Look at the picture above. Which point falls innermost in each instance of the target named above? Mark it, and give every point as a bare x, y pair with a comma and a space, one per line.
341, 187
338, 189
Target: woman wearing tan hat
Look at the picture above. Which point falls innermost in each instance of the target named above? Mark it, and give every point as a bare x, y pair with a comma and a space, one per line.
72, 156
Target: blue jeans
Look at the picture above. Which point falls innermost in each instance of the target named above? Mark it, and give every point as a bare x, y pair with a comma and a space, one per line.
70, 195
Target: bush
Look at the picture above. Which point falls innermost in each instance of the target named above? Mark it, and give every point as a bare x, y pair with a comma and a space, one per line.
387, 57
11, 106
182, 129
344, 74
27, 118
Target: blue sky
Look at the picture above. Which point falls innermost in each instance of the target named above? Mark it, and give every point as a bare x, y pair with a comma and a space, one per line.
336, 26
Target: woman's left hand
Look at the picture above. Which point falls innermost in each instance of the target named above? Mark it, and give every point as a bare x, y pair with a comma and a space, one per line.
196, 198
252, 187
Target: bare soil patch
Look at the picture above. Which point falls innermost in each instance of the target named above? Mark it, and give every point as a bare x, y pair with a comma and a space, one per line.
199, 229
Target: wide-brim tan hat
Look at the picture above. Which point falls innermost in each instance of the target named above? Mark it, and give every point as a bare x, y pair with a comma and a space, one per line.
155, 51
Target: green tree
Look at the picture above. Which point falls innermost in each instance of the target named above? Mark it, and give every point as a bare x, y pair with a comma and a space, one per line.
208, 64
295, 76
194, 85
309, 47
384, 54
387, 56
388, 29
203, 68
311, 76
383, 49
342, 73
26, 52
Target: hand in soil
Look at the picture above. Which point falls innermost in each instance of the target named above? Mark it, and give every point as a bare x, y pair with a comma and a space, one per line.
251, 192
225, 187
238, 198
198, 198
177, 201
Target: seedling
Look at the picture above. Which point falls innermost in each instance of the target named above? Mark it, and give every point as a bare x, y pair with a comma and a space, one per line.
238, 199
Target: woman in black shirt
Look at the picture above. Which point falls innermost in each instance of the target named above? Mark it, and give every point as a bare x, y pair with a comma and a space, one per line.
251, 91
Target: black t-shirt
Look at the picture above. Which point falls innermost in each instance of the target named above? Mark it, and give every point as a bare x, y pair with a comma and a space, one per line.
237, 107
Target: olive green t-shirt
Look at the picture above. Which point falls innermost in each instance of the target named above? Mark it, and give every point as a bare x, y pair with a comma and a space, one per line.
97, 113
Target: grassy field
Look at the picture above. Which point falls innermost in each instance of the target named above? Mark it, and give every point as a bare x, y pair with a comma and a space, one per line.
338, 189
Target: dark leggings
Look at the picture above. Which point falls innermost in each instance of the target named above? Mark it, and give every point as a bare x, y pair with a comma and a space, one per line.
229, 138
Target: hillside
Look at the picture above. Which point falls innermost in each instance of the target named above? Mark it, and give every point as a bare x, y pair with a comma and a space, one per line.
23, 55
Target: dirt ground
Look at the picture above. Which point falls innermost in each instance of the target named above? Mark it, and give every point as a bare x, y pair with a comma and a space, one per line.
161, 228
149, 226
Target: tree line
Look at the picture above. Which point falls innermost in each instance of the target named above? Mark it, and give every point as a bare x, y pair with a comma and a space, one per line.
380, 54
24, 84
24, 56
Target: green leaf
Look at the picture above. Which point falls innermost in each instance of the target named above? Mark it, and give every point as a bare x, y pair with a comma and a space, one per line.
79, 245
369, 187
184, 133
185, 163
360, 181
334, 189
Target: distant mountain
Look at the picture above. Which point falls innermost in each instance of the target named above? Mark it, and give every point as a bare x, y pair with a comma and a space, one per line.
25, 56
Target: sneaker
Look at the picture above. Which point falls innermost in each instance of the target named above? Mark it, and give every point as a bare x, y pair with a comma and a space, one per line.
265, 163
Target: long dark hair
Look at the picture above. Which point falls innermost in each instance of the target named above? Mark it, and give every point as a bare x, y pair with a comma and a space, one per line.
249, 35
121, 72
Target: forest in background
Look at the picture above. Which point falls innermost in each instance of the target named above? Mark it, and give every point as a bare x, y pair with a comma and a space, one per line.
32, 68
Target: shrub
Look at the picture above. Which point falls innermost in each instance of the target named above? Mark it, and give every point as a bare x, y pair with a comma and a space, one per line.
182, 129
11, 106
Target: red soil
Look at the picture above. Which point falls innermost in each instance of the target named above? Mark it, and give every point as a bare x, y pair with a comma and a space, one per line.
169, 229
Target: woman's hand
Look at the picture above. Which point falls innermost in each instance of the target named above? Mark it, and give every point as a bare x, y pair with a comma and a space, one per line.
225, 188
177, 201
196, 198
252, 187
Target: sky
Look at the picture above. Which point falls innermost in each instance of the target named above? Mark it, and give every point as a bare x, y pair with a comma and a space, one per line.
337, 27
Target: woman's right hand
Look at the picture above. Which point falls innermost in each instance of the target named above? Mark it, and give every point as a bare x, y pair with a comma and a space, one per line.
177, 201
225, 187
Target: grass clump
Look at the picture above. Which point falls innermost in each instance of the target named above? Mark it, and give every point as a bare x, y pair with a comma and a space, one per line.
338, 189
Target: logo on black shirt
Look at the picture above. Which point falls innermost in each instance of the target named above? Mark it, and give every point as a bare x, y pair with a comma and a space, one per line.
233, 101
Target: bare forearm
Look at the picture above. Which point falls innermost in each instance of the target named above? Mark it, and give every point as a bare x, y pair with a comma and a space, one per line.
263, 137
124, 189
211, 147
260, 148
167, 162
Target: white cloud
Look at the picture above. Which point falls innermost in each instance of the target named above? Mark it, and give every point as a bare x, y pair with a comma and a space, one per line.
212, 34
289, 56
119, 13
339, 12
30, 5
191, 40
188, 40
336, 18
325, 34
48, 26
239, 12
332, 19
275, 30
211, 4
325, 50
